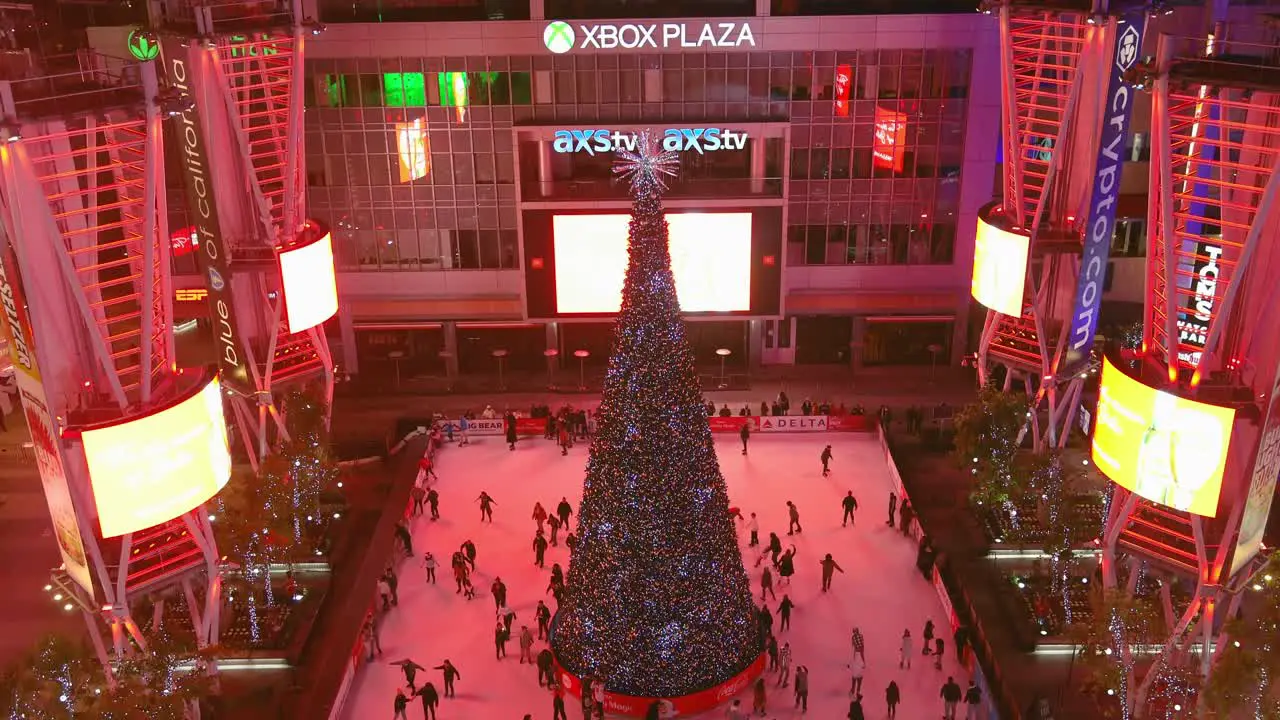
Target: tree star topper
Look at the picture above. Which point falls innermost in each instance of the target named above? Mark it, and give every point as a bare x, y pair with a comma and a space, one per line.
649, 162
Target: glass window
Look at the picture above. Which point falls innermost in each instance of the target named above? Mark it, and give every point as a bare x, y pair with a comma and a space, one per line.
454, 89
332, 90
815, 249
370, 90
840, 160
799, 163
404, 89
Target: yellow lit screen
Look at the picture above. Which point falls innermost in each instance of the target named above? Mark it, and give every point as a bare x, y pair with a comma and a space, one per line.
999, 268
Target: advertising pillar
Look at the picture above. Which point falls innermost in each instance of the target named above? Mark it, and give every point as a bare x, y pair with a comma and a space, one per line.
183, 66
44, 434
1101, 221
1262, 484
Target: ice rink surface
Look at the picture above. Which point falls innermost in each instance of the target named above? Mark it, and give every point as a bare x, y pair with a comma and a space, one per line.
880, 590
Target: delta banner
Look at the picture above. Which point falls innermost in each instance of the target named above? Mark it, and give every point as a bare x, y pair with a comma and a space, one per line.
44, 434
181, 67
1101, 222
1262, 485
685, 705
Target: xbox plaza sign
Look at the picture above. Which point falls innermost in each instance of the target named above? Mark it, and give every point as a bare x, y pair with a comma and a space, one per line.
561, 37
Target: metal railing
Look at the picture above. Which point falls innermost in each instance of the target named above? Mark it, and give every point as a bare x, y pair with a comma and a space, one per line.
602, 189
83, 77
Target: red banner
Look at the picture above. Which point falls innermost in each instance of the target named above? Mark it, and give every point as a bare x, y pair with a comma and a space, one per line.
844, 78
531, 426
731, 424
699, 702
851, 423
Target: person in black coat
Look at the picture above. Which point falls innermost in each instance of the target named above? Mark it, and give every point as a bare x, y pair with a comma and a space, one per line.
784, 612
401, 702
544, 662
430, 698
892, 696
500, 635
826, 461
511, 431
539, 549
745, 434
849, 503
564, 510
855, 709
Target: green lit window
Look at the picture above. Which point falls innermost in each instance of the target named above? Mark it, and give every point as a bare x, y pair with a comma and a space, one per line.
331, 91
404, 89
454, 89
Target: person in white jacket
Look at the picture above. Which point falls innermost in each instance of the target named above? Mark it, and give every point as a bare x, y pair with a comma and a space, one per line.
905, 660
857, 668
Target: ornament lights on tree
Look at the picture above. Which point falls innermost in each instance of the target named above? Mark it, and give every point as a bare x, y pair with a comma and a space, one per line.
658, 602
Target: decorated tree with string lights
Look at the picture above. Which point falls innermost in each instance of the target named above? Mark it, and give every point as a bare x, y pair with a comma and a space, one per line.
1245, 671
658, 601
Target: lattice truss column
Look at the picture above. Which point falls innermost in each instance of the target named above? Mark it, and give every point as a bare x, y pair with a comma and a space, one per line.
250, 100
1052, 87
1210, 319
89, 307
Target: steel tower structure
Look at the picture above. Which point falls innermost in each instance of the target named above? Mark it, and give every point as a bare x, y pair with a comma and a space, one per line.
1210, 325
1056, 62
239, 65
85, 282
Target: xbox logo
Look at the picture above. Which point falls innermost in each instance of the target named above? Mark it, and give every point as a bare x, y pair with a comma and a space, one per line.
558, 37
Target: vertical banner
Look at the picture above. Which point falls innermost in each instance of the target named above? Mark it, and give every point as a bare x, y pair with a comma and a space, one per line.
1118, 108
44, 436
1262, 484
887, 149
844, 78
181, 67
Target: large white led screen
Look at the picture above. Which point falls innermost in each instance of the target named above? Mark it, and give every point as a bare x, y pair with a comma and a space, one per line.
310, 285
710, 259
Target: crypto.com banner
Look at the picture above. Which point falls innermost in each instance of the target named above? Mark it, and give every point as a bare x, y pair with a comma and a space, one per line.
1106, 188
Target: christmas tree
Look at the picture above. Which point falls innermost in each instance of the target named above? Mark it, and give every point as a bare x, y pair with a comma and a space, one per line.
658, 602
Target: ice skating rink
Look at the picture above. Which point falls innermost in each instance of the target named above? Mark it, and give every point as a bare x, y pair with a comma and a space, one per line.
880, 590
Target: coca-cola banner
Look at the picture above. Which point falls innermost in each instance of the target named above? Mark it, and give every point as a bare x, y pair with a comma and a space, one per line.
699, 702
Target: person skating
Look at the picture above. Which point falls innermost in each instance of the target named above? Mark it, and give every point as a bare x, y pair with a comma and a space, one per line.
855, 709
905, 515
557, 575
829, 566
766, 584
406, 540
553, 522
401, 702
787, 565
784, 612
393, 582
753, 527
557, 703
570, 541
460, 571
961, 639
526, 645
793, 513
771, 646
450, 674
539, 515
486, 506
410, 669
419, 498
802, 688
545, 663
464, 425
826, 461
765, 619
429, 562
857, 668
745, 434
892, 697
972, 701
384, 592
433, 502
372, 631
500, 636
469, 552
859, 646
563, 510
773, 549
510, 422
758, 697
499, 590
565, 440
893, 505
430, 698
507, 616
904, 651
784, 665
539, 549
950, 695
849, 503
938, 646
927, 636
543, 615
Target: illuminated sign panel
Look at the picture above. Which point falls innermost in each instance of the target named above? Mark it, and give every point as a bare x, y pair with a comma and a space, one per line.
1101, 222
1197, 310
1262, 485
699, 140
561, 37
710, 259
44, 434
999, 268
184, 242
887, 147
844, 77
1167, 449
152, 469
199, 185
310, 286
411, 149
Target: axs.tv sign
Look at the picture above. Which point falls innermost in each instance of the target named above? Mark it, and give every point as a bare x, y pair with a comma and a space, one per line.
699, 140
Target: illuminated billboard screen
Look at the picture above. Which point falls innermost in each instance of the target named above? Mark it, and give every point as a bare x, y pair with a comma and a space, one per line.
411, 149
184, 242
310, 286
151, 469
844, 78
999, 268
710, 258
1167, 449
888, 145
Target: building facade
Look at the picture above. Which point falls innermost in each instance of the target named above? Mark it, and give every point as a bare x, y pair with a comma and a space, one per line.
831, 170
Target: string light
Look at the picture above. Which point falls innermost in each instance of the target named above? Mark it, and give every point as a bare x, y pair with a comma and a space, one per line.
658, 601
